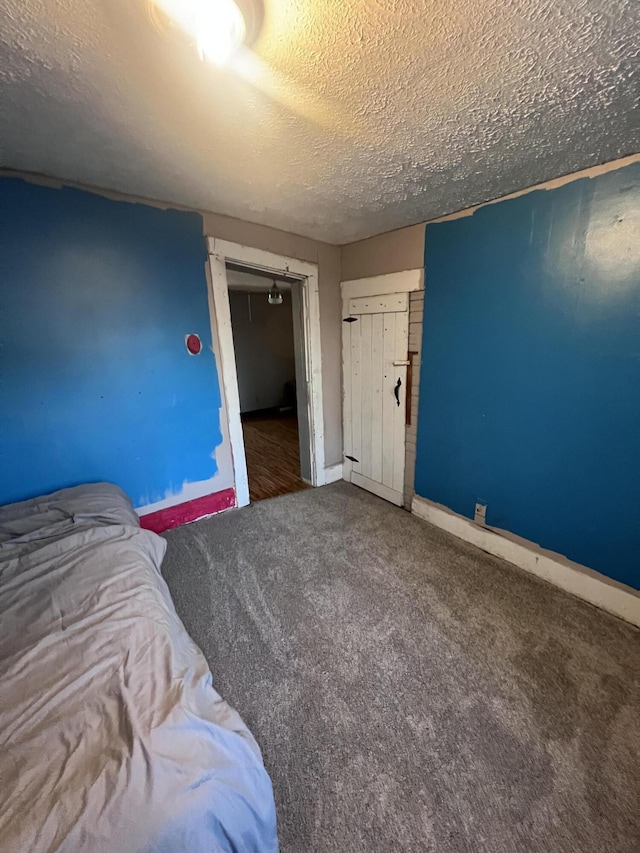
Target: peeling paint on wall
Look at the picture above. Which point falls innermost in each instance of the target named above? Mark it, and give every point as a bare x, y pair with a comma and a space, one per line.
96, 381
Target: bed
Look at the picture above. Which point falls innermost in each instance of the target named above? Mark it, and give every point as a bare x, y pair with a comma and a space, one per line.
112, 737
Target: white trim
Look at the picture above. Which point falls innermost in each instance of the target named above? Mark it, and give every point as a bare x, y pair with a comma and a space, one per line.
379, 285
221, 324
333, 473
378, 489
313, 352
221, 252
593, 587
260, 258
347, 449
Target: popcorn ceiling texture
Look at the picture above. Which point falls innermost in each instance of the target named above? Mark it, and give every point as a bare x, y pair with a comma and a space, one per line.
355, 118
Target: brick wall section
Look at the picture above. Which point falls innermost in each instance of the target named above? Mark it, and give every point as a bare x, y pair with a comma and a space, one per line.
416, 313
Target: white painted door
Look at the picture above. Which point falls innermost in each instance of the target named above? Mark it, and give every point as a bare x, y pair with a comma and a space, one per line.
375, 341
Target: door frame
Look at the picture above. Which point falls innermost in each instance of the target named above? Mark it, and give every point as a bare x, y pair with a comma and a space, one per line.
379, 285
220, 253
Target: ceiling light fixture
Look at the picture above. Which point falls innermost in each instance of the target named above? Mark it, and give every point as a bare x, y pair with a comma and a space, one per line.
219, 27
275, 296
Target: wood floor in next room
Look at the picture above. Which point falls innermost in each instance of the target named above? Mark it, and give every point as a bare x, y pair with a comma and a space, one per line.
273, 455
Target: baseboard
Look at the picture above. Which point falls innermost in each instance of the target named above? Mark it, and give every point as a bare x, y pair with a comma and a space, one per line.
603, 592
174, 516
333, 473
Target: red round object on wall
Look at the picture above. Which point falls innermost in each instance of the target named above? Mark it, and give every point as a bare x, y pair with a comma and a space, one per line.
194, 344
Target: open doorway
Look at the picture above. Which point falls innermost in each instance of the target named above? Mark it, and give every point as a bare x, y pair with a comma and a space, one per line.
300, 280
266, 323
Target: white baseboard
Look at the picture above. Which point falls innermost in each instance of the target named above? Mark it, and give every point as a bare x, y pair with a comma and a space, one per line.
333, 473
616, 598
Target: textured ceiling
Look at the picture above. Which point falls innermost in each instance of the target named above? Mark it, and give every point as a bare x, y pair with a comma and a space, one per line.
351, 119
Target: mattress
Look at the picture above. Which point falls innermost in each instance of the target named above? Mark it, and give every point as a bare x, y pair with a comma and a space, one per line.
112, 736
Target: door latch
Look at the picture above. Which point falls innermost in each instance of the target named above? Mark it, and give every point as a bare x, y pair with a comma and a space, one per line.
396, 390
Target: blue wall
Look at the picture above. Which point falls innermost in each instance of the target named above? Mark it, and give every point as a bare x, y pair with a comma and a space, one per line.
530, 382
96, 384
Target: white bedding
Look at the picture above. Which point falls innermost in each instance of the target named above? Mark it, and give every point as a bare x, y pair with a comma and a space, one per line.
112, 737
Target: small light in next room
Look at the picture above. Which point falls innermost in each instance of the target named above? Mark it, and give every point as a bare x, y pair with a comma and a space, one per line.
275, 296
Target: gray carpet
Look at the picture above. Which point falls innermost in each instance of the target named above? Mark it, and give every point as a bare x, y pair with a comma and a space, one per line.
409, 692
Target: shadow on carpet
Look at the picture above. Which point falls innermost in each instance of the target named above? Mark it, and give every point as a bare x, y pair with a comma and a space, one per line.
410, 692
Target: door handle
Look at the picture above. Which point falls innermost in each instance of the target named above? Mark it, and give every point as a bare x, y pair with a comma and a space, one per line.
396, 390
402, 363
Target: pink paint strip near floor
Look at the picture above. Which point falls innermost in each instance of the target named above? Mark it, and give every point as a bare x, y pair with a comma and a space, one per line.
174, 516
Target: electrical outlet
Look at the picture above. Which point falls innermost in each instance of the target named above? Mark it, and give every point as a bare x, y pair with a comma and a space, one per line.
480, 515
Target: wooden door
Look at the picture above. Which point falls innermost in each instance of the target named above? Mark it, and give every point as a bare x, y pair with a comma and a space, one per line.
376, 333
